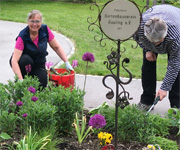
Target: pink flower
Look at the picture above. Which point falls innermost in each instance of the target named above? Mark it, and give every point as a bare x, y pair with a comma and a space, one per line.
24, 115
19, 103
97, 121
31, 89
48, 65
34, 98
74, 63
88, 57
28, 68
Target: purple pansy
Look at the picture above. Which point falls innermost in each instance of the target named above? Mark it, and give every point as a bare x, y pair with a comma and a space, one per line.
97, 121
31, 89
48, 65
88, 57
19, 103
28, 68
34, 98
74, 63
24, 115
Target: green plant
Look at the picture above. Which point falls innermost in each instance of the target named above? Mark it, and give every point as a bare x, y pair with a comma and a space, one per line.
67, 102
17, 90
98, 109
39, 115
8, 122
29, 142
164, 143
4, 136
80, 131
134, 125
169, 1
4, 99
174, 117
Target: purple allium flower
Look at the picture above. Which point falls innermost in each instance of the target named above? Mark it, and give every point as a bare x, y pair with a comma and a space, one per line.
34, 98
74, 63
19, 103
97, 121
24, 115
31, 89
48, 65
28, 68
88, 57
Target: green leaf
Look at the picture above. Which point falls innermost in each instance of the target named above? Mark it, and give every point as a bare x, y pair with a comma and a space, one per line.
5, 136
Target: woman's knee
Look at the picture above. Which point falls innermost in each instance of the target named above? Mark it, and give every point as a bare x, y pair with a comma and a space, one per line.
25, 60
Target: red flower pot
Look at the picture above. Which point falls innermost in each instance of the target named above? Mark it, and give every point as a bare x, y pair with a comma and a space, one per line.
64, 80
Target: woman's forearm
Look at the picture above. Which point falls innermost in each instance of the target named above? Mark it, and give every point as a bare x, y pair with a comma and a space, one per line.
16, 69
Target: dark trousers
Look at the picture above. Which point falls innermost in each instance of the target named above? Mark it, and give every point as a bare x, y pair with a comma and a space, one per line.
149, 84
37, 70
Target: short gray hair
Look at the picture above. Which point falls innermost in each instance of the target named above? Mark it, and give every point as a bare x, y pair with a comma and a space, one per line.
33, 13
155, 29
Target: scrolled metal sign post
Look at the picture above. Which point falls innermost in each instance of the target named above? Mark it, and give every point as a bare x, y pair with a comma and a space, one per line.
117, 20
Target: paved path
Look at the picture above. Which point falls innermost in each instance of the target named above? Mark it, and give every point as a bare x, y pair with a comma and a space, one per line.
95, 90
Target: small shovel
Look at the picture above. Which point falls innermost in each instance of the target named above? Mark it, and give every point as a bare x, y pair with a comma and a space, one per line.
154, 103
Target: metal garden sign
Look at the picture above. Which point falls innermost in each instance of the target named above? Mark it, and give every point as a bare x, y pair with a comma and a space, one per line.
117, 21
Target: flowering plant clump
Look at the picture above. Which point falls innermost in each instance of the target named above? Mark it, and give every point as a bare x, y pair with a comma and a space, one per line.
105, 138
108, 147
31, 89
152, 147
19, 103
97, 121
34, 98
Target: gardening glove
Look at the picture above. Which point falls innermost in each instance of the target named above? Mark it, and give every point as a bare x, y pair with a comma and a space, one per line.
68, 66
20, 80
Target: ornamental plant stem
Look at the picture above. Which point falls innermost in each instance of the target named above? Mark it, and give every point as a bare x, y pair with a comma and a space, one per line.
85, 76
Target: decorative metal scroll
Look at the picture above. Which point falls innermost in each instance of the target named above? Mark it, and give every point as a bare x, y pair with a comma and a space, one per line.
127, 20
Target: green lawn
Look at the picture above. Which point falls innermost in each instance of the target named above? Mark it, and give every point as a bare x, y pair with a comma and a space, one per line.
70, 19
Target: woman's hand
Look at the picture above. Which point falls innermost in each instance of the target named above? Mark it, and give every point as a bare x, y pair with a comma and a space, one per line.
68, 65
162, 94
150, 56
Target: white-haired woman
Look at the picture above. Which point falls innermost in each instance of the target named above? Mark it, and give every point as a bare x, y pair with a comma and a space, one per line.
159, 33
30, 50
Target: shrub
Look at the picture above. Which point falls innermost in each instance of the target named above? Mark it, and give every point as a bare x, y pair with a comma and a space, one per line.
39, 115
67, 103
4, 99
8, 122
164, 143
169, 1
174, 117
41, 108
17, 89
134, 125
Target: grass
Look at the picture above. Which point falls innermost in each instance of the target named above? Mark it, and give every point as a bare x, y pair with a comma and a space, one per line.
70, 19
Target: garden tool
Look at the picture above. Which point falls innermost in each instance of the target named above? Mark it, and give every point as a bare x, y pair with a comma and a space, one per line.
54, 71
154, 103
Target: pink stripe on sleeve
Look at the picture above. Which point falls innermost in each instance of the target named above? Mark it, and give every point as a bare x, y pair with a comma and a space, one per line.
51, 35
19, 44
